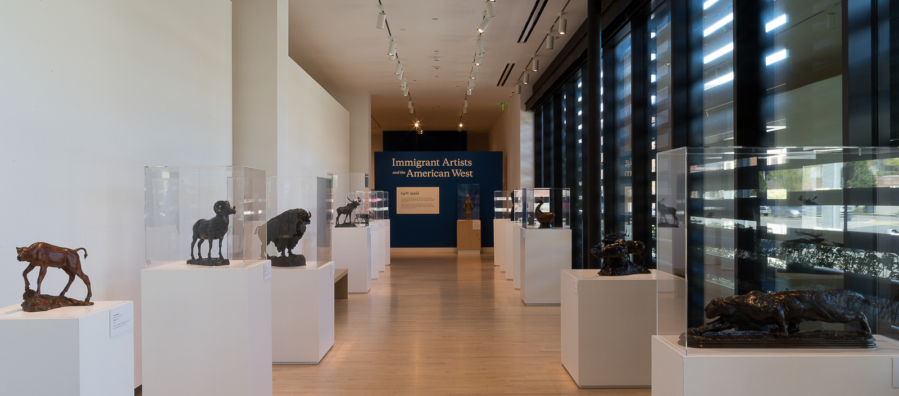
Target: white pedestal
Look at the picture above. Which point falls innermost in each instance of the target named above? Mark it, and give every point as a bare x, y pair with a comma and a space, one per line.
607, 322
377, 249
544, 254
513, 270
753, 372
351, 249
302, 313
498, 250
207, 330
386, 242
65, 351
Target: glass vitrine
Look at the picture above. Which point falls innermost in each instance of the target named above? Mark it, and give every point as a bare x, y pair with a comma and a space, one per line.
545, 208
468, 201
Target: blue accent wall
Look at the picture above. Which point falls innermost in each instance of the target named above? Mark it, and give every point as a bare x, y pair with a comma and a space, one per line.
431, 231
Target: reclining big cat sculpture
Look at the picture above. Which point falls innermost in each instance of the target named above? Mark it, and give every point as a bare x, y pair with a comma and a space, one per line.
615, 253
781, 312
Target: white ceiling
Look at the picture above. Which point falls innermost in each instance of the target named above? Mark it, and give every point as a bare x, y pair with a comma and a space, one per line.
337, 43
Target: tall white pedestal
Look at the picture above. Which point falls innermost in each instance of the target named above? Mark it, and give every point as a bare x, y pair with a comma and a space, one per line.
386, 242
302, 313
513, 271
66, 351
753, 372
207, 330
498, 250
607, 323
377, 249
544, 254
351, 249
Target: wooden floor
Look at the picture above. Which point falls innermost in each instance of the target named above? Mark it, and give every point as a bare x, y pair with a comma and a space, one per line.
439, 325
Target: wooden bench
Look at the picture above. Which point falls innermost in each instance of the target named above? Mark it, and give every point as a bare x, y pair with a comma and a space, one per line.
341, 283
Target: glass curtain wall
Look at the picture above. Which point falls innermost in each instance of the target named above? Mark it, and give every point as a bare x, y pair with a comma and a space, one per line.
659, 92
559, 153
716, 29
623, 137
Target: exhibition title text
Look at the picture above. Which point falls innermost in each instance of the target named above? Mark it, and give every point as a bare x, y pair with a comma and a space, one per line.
418, 164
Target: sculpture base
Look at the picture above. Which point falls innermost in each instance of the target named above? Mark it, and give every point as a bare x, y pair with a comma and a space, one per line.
209, 262
297, 260
666, 225
544, 225
630, 269
764, 339
36, 303
345, 225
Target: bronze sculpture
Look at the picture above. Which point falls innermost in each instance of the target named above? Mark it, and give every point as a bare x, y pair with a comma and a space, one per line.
544, 219
783, 311
347, 211
285, 231
209, 230
615, 252
44, 255
468, 206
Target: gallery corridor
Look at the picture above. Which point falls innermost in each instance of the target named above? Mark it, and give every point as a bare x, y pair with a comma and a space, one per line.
438, 324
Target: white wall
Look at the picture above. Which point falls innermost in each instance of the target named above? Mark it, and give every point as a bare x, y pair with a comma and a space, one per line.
509, 135
358, 103
91, 91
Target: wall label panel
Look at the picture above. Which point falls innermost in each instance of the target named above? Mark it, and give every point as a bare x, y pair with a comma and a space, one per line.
417, 200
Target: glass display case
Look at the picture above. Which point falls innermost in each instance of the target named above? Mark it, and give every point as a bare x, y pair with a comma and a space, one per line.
735, 221
347, 189
386, 205
378, 205
468, 201
298, 210
515, 198
502, 205
545, 208
188, 208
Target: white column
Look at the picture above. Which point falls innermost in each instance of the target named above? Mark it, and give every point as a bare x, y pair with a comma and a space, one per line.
358, 103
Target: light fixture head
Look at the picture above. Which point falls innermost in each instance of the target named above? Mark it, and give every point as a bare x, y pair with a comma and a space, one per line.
518, 89
524, 79
534, 64
410, 103
399, 67
549, 41
382, 19
411, 110
400, 76
491, 9
416, 124
460, 125
563, 25
465, 103
477, 61
483, 26
391, 49
464, 110
481, 44
406, 91
476, 68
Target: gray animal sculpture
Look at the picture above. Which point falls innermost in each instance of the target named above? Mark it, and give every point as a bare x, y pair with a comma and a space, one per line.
285, 231
783, 309
209, 230
347, 211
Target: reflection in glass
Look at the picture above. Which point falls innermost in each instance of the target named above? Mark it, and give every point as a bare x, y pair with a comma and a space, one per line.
716, 28
658, 91
803, 61
623, 125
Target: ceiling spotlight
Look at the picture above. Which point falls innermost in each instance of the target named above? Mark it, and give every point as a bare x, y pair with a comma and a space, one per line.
410, 103
406, 91
534, 63
524, 79
400, 76
491, 9
563, 24
469, 91
399, 67
382, 18
416, 124
549, 41
464, 110
465, 103
477, 61
518, 89
392, 57
481, 44
476, 68
391, 50
460, 125
474, 76
483, 26
412, 111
